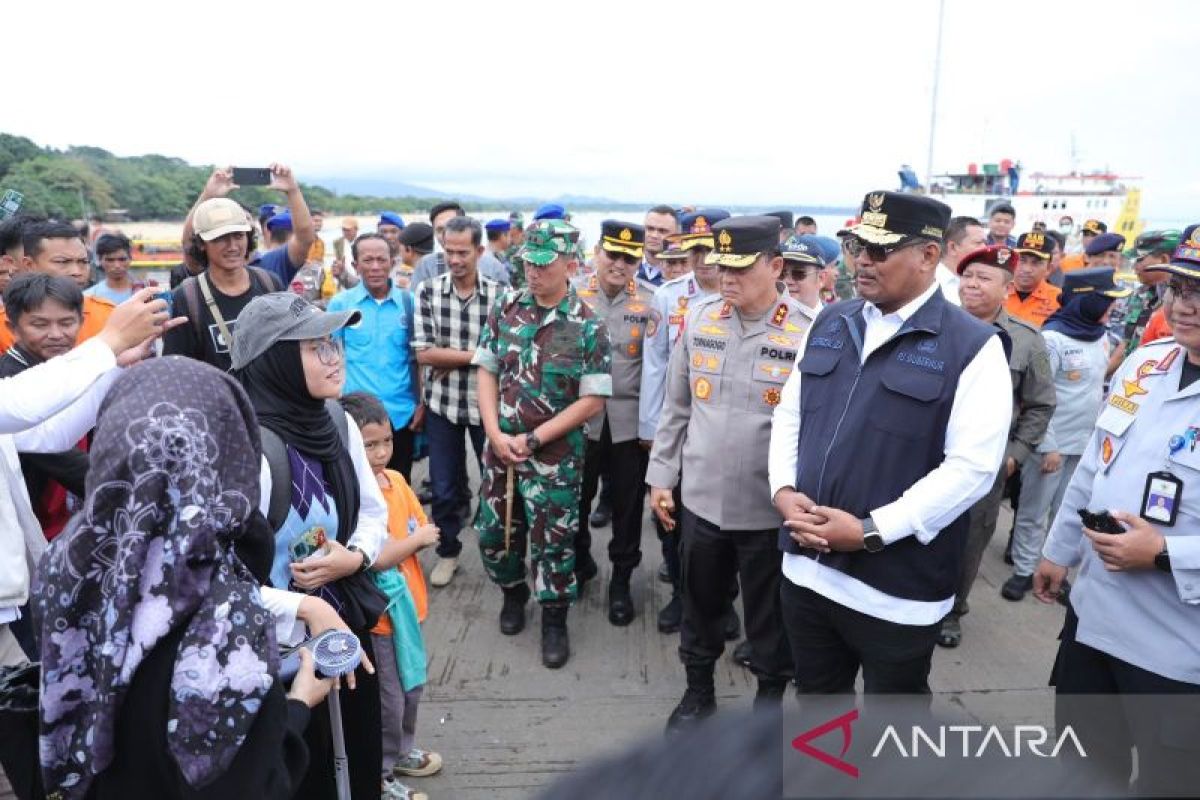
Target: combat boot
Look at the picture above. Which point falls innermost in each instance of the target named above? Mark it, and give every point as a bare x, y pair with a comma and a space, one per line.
671, 617
556, 646
512, 613
698, 703
620, 601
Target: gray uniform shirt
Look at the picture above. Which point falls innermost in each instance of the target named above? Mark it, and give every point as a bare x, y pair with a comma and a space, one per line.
627, 317
725, 378
1078, 368
1033, 386
1147, 617
671, 302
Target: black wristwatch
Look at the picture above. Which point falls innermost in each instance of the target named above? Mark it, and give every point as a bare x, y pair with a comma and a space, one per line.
872, 538
366, 561
533, 442
1163, 559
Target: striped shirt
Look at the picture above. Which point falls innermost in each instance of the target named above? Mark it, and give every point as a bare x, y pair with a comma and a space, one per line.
446, 320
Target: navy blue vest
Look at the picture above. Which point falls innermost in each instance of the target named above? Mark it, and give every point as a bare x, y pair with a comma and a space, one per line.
869, 431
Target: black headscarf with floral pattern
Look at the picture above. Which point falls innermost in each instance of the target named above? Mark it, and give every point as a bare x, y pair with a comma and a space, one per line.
170, 538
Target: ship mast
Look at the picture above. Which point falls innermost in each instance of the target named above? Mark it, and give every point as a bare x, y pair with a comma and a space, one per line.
937, 77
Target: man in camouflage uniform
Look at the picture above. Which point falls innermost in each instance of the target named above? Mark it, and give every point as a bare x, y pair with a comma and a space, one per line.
1130, 315
516, 238
544, 371
613, 448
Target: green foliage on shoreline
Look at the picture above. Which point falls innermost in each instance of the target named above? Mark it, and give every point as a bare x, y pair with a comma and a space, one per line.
82, 181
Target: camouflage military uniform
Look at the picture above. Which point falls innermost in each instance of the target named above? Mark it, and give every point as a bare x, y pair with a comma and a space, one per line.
516, 267
1130, 315
544, 359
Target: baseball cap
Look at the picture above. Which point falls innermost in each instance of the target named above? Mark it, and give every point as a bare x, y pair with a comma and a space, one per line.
1036, 243
280, 220
1152, 242
282, 317
547, 239
549, 211
390, 218
1094, 226
798, 251
217, 217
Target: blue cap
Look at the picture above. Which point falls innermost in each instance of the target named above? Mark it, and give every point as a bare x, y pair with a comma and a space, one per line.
825, 245
281, 220
549, 211
1104, 242
390, 218
500, 225
701, 221
266, 211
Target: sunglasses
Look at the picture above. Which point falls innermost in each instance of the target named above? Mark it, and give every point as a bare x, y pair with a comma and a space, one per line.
628, 259
799, 272
877, 252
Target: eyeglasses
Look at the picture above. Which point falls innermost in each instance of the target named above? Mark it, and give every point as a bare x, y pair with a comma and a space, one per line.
628, 259
328, 351
799, 273
877, 252
1187, 291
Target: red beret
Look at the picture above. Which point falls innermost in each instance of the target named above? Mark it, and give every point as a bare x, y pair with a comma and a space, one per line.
996, 255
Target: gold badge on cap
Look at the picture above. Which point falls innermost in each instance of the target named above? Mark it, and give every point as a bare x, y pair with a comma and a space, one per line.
1035, 240
875, 201
700, 225
725, 241
625, 235
1003, 255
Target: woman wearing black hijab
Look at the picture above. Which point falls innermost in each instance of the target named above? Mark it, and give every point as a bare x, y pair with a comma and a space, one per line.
336, 523
159, 658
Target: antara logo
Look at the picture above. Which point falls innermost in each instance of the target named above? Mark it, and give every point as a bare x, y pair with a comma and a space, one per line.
971, 741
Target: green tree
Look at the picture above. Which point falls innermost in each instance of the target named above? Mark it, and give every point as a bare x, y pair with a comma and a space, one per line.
53, 185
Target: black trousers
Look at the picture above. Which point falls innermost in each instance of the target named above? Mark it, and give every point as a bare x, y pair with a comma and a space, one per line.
669, 540
830, 642
625, 463
402, 452
710, 559
362, 725
1166, 733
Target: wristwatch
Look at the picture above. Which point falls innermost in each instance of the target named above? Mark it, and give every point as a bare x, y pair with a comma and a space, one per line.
872, 538
366, 561
533, 442
1163, 559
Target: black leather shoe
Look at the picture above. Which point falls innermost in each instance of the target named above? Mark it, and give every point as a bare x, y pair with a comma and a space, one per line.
512, 613
696, 706
586, 572
601, 516
663, 573
1015, 587
742, 654
951, 633
733, 625
556, 645
620, 601
671, 617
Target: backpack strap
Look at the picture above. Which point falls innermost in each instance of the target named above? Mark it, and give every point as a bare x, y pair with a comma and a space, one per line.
267, 280
191, 301
275, 451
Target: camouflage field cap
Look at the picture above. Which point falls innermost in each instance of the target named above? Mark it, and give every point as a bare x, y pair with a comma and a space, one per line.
546, 240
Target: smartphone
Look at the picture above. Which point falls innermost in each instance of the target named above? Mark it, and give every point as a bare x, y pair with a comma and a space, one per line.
168, 297
1100, 521
252, 176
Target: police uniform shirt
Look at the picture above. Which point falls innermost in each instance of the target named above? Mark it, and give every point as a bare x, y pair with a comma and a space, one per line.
627, 317
671, 303
976, 437
1148, 618
724, 380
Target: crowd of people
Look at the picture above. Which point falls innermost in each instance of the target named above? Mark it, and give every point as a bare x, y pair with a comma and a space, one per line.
197, 482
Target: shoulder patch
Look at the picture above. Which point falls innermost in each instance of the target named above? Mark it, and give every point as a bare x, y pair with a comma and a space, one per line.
779, 316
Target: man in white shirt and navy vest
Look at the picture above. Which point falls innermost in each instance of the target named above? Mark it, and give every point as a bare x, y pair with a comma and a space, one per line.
893, 424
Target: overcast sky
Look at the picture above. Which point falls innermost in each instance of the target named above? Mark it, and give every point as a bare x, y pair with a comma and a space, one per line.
739, 102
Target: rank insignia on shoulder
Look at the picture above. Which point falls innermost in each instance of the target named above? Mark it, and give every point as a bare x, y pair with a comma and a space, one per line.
771, 396
631, 287
725, 313
1167, 361
780, 315
1123, 404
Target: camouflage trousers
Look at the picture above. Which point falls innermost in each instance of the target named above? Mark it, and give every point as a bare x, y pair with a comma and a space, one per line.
545, 520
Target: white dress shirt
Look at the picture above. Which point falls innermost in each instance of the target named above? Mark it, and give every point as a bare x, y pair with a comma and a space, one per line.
976, 435
369, 536
949, 283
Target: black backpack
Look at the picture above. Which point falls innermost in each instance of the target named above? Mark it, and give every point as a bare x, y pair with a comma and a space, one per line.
275, 451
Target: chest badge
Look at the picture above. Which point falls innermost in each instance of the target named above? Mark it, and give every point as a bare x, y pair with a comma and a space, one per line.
703, 389
771, 396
